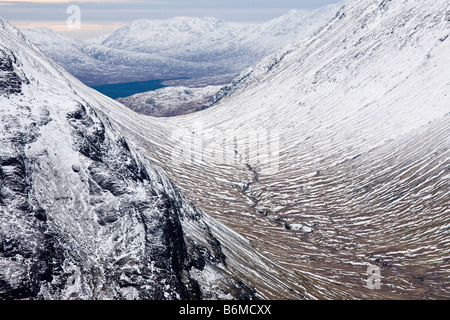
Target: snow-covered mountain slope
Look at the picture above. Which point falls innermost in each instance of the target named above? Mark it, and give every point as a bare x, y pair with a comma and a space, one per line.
173, 35
177, 47
84, 216
333, 155
95, 64
291, 27
170, 101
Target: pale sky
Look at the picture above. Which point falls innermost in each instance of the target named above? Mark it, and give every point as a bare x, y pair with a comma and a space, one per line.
104, 16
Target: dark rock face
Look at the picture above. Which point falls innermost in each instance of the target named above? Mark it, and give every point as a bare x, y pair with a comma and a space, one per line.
10, 82
29, 251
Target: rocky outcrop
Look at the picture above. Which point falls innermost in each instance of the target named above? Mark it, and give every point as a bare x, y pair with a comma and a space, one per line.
10, 82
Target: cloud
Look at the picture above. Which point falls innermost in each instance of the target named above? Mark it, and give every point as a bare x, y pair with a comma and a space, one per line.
62, 26
41, 1
195, 3
79, 1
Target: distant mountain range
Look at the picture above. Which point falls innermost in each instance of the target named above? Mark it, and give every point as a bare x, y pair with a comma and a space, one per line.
177, 47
